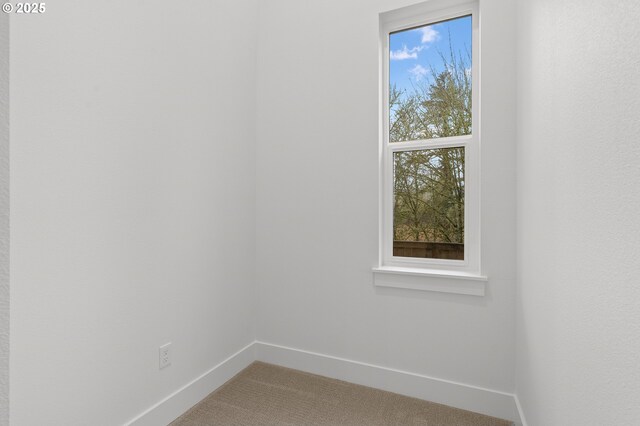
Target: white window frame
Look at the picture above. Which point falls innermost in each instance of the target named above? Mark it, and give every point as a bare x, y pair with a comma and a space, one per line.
430, 12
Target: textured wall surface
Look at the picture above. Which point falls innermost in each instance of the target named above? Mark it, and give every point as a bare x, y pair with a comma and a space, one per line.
133, 202
317, 180
4, 219
578, 328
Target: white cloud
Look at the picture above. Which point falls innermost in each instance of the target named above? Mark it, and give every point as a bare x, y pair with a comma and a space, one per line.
429, 34
405, 53
418, 72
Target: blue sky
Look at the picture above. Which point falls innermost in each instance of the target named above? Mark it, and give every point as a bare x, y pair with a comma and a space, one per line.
413, 52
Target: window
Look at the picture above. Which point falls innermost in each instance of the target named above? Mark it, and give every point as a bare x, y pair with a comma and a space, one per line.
430, 186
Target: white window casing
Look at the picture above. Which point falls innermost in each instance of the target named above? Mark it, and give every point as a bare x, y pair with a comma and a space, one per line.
443, 275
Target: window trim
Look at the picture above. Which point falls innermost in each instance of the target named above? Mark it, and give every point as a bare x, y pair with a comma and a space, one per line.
470, 268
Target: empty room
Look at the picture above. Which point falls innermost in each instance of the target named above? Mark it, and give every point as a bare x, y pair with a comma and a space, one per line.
320, 212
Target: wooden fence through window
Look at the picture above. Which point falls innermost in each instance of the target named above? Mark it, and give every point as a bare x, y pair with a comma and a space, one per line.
426, 249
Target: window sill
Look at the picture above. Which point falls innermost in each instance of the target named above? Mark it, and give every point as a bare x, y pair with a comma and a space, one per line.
430, 280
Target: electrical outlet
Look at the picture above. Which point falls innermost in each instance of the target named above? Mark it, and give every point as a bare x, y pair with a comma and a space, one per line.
165, 355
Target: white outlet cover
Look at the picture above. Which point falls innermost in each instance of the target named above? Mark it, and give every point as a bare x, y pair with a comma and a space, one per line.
165, 355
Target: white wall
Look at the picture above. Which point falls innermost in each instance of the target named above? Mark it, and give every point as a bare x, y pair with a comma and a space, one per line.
134, 117
4, 219
317, 200
133, 202
578, 203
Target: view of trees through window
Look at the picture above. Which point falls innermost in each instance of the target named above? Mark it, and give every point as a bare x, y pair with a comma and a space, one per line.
430, 97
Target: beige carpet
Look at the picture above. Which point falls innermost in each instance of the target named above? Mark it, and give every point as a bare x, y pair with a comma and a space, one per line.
265, 394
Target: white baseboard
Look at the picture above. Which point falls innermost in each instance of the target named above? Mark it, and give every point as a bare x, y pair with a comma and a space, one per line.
459, 395
170, 408
523, 421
